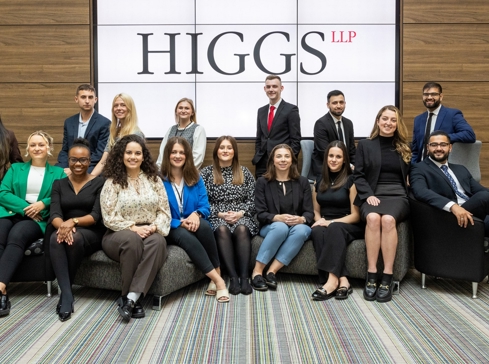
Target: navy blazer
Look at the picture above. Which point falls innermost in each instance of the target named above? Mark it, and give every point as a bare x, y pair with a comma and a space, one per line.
449, 120
430, 185
367, 169
286, 129
194, 199
97, 134
326, 131
267, 201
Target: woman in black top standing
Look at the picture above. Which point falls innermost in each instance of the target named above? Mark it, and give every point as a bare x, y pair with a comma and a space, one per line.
76, 219
381, 169
337, 222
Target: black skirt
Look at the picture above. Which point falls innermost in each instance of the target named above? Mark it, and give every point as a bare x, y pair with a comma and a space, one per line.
393, 202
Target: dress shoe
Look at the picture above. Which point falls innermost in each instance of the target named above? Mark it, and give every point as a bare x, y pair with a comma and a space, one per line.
234, 286
245, 286
271, 280
343, 292
65, 316
126, 309
138, 310
60, 301
384, 293
4, 305
370, 290
320, 294
259, 283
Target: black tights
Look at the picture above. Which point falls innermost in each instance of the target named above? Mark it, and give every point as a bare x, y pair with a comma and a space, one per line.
235, 247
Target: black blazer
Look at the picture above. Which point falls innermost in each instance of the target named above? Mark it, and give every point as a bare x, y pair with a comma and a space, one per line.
325, 131
430, 185
367, 169
97, 134
267, 200
286, 128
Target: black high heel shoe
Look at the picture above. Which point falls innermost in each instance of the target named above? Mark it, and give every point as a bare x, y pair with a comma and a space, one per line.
60, 301
65, 316
4, 304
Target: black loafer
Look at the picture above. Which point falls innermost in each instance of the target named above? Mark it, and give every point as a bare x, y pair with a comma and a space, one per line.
271, 280
126, 309
259, 283
384, 293
4, 305
138, 310
343, 292
370, 290
320, 294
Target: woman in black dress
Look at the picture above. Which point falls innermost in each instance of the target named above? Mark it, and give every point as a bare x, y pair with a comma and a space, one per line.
337, 222
76, 219
381, 168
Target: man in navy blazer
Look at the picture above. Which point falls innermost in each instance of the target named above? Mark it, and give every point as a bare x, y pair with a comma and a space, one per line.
449, 120
284, 128
326, 131
430, 184
88, 124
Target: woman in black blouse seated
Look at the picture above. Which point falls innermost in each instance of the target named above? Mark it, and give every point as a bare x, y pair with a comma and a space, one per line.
337, 222
76, 216
284, 209
381, 169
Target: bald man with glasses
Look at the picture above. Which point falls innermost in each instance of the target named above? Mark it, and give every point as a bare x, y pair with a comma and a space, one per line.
438, 117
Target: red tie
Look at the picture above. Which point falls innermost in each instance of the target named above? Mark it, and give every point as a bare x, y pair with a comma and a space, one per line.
270, 117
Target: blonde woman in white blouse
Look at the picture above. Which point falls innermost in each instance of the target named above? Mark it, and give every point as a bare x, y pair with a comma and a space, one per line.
136, 212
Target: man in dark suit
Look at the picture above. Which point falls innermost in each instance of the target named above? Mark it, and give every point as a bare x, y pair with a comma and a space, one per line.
332, 126
278, 123
88, 124
448, 186
438, 117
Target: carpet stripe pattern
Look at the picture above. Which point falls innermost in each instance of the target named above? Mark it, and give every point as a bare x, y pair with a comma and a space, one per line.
441, 324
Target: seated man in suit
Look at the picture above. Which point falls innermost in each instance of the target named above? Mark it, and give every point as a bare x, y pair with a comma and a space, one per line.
332, 126
438, 117
448, 186
278, 123
88, 124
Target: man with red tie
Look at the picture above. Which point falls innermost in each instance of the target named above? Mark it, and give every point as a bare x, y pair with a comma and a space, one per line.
278, 123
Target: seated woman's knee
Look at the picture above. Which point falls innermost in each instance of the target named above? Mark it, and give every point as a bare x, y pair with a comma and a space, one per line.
388, 222
373, 220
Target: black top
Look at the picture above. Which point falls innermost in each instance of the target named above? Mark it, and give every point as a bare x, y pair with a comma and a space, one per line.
286, 200
65, 204
390, 169
335, 203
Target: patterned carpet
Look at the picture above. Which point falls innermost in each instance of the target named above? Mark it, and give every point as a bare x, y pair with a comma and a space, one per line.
441, 324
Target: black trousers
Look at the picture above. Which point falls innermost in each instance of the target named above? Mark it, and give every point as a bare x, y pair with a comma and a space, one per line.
478, 205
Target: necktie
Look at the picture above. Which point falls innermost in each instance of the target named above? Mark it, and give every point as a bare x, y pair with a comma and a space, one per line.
427, 135
340, 132
444, 168
270, 117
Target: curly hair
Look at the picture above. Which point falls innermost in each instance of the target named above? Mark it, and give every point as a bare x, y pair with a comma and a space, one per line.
190, 173
400, 135
271, 173
115, 168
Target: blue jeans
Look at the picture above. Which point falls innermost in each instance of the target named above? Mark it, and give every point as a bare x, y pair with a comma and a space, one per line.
282, 242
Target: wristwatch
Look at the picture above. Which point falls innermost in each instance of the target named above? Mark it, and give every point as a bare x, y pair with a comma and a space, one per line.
75, 220
200, 214
331, 221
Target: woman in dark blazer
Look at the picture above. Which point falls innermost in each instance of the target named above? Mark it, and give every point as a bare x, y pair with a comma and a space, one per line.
9, 150
190, 208
381, 169
25, 197
284, 209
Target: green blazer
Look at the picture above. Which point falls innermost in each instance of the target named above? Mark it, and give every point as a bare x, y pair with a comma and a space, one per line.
14, 187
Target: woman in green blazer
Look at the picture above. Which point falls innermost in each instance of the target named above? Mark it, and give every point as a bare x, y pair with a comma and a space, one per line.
25, 196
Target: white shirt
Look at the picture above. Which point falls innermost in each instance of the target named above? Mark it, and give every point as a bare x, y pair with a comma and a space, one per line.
342, 126
34, 183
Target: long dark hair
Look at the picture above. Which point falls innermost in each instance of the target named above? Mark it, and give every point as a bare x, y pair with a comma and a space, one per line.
271, 173
190, 173
115, 168
344, 172
238, 176
4, 150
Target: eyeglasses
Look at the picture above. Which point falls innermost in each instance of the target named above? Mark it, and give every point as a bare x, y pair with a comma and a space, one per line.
432, 94
74, 160
436, 145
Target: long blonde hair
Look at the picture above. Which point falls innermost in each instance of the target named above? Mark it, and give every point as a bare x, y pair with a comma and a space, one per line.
400, 135
130, 123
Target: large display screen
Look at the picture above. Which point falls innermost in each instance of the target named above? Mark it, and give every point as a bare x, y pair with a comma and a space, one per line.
218, 53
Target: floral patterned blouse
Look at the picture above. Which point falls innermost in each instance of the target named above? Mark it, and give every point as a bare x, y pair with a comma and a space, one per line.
229, 197
142, 202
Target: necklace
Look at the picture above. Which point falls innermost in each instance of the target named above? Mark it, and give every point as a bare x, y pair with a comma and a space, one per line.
183, 131
334, 181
